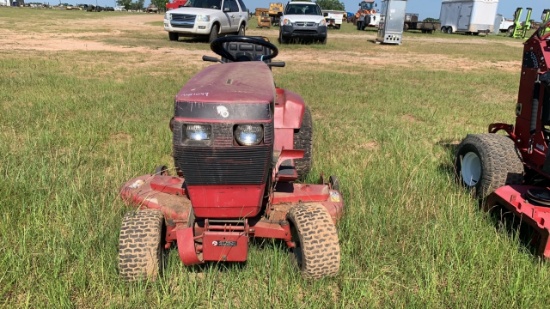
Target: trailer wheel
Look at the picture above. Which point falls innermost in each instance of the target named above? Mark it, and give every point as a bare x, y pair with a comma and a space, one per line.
303, 138
485, 162
443, 29
317, 251
173, 36
141, 251
449, 30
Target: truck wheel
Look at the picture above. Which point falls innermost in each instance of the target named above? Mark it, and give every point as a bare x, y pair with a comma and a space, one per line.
303, 140
141, 251
213, 33
510, 30
282, 39
485, 162
317, 251
241, 31
173, 36
359, 25
323, 41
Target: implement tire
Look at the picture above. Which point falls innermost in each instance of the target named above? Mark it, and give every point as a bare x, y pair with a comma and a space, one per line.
485, 162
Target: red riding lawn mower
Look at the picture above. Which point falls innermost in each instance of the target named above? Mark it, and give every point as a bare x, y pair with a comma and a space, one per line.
512, 171
239, 145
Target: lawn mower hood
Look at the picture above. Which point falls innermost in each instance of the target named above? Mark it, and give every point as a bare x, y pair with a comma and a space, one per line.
223, 138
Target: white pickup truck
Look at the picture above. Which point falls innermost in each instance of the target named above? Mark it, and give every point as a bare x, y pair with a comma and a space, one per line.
206, 18
503, 24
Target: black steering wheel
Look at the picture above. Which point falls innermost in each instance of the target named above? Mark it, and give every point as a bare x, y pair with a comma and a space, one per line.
217, 46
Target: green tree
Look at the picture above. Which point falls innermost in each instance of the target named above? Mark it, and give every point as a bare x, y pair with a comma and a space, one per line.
161, 4
124, 3
131, 5
137, 5
331, 5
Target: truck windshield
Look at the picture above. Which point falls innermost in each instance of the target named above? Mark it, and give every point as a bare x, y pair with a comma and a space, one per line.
205, 4
302, 9
367, 5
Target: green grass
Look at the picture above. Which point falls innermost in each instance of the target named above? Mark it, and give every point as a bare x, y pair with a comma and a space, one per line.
75, 125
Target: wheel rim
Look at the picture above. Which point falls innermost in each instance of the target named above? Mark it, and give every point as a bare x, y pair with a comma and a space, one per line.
470, 169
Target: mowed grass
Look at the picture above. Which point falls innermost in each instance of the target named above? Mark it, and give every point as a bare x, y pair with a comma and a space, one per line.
75, 125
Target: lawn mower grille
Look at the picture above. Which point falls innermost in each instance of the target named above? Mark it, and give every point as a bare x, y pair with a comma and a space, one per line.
228, 165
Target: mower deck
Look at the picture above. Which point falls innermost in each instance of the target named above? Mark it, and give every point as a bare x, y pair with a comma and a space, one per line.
166, 193
515, 199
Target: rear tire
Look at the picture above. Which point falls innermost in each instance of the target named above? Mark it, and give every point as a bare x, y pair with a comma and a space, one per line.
449, 30
317, 251
334, 183
173, 36
323, 41
213, 33
141, 251
303, 140
485, 162
359, 25
510, 31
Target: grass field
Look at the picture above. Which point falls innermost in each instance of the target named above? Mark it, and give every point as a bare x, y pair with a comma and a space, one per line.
76, 122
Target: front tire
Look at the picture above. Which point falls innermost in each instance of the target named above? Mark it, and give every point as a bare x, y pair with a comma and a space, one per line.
485, 162
173, 36
282, 39
317, 251
141, 251
213, 33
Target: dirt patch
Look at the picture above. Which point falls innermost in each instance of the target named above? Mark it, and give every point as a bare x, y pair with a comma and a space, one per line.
82, 38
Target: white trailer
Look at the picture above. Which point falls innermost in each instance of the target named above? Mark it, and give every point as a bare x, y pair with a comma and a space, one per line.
468, 16
334, 18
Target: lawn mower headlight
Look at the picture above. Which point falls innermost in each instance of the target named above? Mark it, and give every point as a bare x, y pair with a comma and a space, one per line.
197, 132
249, 134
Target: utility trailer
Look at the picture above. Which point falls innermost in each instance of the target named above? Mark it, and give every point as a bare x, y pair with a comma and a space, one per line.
468, 16
426, 26
334, 18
